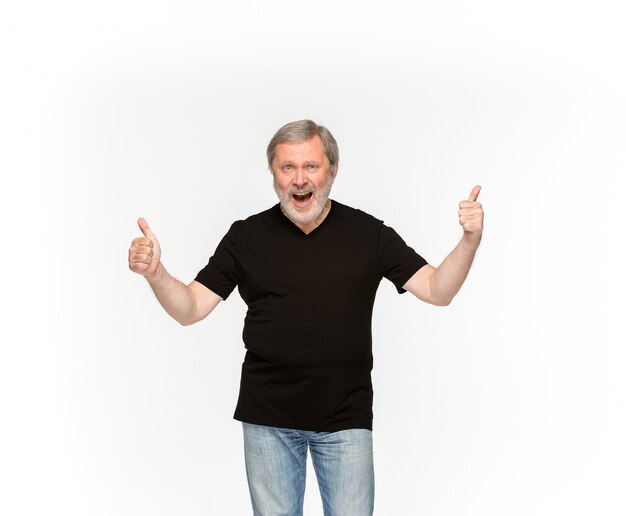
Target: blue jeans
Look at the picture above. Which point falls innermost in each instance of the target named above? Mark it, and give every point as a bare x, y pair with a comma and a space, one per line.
276, 469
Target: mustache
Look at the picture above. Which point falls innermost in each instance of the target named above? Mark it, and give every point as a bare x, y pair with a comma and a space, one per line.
301, 190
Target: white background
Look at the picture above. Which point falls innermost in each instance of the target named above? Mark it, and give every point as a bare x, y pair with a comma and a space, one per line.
511, 401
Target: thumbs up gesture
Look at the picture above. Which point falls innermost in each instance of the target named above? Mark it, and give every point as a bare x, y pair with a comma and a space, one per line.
471, 218
144, 254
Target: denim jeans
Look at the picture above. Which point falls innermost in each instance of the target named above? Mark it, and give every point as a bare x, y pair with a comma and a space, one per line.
276, 469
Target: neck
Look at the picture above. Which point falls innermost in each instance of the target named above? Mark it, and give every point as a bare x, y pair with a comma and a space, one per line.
307, 227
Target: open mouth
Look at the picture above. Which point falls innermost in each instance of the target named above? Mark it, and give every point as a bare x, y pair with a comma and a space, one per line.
302, 198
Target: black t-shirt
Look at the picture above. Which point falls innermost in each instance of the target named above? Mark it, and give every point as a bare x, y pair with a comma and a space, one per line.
308, 327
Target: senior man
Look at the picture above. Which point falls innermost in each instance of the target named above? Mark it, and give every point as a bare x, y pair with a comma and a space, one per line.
308, 269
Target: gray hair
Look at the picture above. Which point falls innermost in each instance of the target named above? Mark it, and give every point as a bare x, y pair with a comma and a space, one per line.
301, 131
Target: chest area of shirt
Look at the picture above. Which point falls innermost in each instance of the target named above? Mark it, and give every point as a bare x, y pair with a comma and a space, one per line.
311, 264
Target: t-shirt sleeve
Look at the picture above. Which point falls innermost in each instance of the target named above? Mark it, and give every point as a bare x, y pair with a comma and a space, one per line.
221, 274
398, 261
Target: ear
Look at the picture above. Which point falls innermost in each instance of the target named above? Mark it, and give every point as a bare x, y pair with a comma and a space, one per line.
336, 169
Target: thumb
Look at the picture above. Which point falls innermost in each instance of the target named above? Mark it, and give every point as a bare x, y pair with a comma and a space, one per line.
474, 194
145, 229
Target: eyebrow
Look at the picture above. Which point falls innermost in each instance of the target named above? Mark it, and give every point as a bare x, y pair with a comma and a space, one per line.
290, 162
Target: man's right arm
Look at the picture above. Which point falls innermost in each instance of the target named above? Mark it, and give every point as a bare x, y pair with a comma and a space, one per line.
187, 304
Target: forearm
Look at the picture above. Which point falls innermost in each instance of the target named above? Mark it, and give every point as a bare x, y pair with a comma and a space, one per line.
175, 297
447, 280
438, 286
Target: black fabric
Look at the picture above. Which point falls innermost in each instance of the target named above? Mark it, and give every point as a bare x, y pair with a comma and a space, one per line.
308, 327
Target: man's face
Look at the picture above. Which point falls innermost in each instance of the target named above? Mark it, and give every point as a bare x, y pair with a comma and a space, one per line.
302, 180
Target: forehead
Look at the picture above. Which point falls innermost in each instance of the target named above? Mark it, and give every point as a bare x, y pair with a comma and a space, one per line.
308, 150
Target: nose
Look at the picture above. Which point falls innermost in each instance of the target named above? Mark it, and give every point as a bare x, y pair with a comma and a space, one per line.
300, 177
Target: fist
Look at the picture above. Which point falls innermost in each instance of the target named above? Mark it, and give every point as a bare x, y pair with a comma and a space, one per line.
144, 254
471, 217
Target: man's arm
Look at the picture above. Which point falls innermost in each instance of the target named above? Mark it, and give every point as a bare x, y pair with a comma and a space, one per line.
438, 286
187, 304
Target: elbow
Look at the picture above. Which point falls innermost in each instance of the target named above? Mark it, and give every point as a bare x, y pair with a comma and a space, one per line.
441, 298
186, 322
441, 301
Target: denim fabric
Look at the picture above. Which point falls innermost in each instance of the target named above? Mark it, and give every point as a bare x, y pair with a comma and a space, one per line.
276, 469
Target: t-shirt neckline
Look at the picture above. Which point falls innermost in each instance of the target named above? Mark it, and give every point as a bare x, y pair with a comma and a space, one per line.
293, 225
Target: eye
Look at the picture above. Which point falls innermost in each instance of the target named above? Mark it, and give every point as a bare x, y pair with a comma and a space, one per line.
312, 167
288, 168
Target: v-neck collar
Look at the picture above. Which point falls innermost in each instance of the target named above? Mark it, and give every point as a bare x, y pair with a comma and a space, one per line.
286, 220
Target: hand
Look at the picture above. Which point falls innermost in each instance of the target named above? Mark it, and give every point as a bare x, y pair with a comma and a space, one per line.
471, 218
144, 255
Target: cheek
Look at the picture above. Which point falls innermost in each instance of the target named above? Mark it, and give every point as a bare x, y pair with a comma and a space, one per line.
283, 187
322, 185
281, 183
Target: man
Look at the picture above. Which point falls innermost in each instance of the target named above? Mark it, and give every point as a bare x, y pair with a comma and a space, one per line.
308, 269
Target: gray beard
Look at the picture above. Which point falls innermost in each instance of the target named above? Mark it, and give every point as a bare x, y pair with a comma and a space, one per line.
321, 198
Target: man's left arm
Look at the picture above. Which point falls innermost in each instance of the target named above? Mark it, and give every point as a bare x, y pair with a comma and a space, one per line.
438, 286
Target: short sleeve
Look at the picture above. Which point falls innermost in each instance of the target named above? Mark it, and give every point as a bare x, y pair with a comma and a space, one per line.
221, 274
398, 261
